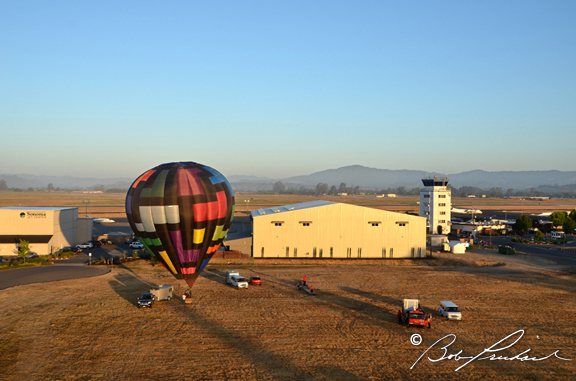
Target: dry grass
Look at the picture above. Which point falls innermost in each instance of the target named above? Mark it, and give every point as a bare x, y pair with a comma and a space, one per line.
91, 329
112, 204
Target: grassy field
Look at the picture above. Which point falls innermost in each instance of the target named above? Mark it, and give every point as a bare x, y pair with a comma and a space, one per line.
91, 329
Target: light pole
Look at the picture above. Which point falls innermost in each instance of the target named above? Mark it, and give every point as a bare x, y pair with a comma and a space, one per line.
86, 202
247, 203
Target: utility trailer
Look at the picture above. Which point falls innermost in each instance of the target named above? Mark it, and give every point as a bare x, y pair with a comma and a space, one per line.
162, 292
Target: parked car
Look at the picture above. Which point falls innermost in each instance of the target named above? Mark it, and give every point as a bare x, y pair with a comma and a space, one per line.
85, 245
255, 280
136, 245
238, 281
95, 243
146, 300
105, 241
32, 255
70, 248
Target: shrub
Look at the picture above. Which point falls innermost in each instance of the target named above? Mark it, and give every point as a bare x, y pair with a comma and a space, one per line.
135, 254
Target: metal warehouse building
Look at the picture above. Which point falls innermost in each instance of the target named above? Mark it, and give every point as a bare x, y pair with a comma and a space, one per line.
323, 229
47, 229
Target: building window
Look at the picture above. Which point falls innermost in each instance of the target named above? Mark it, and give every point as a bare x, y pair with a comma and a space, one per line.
442, 196
441, 204
287, 251
426, 196
442, 221
442, 213
295, 252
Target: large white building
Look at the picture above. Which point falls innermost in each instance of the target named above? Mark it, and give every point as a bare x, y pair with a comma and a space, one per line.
46, 229
323, 229
435, 205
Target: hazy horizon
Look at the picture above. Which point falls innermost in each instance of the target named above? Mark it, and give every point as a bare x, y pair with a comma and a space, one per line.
278, 90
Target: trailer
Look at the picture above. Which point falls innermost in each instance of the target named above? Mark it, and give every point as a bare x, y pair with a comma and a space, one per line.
163, 292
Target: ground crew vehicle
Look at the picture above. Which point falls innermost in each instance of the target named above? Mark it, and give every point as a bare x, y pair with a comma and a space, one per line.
450, 310
146, 300
413, 314
163, 292
238, 281
255, 280
230, 274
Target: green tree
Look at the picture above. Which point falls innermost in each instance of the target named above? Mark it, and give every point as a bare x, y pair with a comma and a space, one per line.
3, 185
568, 226
279, 187
572, 215
23, 249
558, 218
523, 223
539, 236
321, 189
50, 187
342, 188
333, 190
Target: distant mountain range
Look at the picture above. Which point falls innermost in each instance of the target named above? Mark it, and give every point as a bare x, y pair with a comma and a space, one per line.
355, 175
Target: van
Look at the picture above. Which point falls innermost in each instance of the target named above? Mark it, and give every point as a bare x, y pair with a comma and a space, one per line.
450, 311
162, 292
557, 235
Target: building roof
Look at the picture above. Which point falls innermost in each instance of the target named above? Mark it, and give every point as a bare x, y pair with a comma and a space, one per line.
290, 208
42, 208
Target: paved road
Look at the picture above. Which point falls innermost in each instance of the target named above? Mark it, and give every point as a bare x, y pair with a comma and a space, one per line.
73, 268
551, 252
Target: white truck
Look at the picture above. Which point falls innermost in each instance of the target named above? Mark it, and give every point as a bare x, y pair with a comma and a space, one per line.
229, 275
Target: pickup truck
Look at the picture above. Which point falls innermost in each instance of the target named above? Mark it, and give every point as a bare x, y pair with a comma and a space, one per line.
413, 314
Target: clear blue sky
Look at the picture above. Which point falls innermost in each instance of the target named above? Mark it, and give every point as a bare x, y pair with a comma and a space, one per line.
270, 88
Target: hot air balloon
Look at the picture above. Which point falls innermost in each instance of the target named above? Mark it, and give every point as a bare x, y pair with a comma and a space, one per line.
181, 212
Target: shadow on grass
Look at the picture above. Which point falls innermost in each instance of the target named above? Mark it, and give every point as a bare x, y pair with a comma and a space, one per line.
129, 287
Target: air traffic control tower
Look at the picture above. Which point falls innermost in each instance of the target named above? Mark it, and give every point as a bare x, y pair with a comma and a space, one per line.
435, 204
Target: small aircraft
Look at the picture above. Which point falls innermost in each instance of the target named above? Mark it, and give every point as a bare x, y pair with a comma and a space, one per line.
466, 211
101, 220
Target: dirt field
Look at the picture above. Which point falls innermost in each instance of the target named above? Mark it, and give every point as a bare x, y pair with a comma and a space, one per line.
90, 329
111, 205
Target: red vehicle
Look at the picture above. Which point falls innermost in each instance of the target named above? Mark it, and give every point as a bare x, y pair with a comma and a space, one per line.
412, 314
255, 280
418, 318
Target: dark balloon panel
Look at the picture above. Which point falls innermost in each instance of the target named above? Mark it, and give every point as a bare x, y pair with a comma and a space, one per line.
181, 212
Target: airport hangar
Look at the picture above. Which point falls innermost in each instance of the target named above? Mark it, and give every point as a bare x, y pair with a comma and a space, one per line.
47, 229
324, 229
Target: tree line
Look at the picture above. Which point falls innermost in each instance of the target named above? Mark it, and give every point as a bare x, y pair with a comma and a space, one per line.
464, 191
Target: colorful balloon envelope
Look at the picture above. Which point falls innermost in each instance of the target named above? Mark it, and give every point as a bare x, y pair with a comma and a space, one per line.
181, 212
